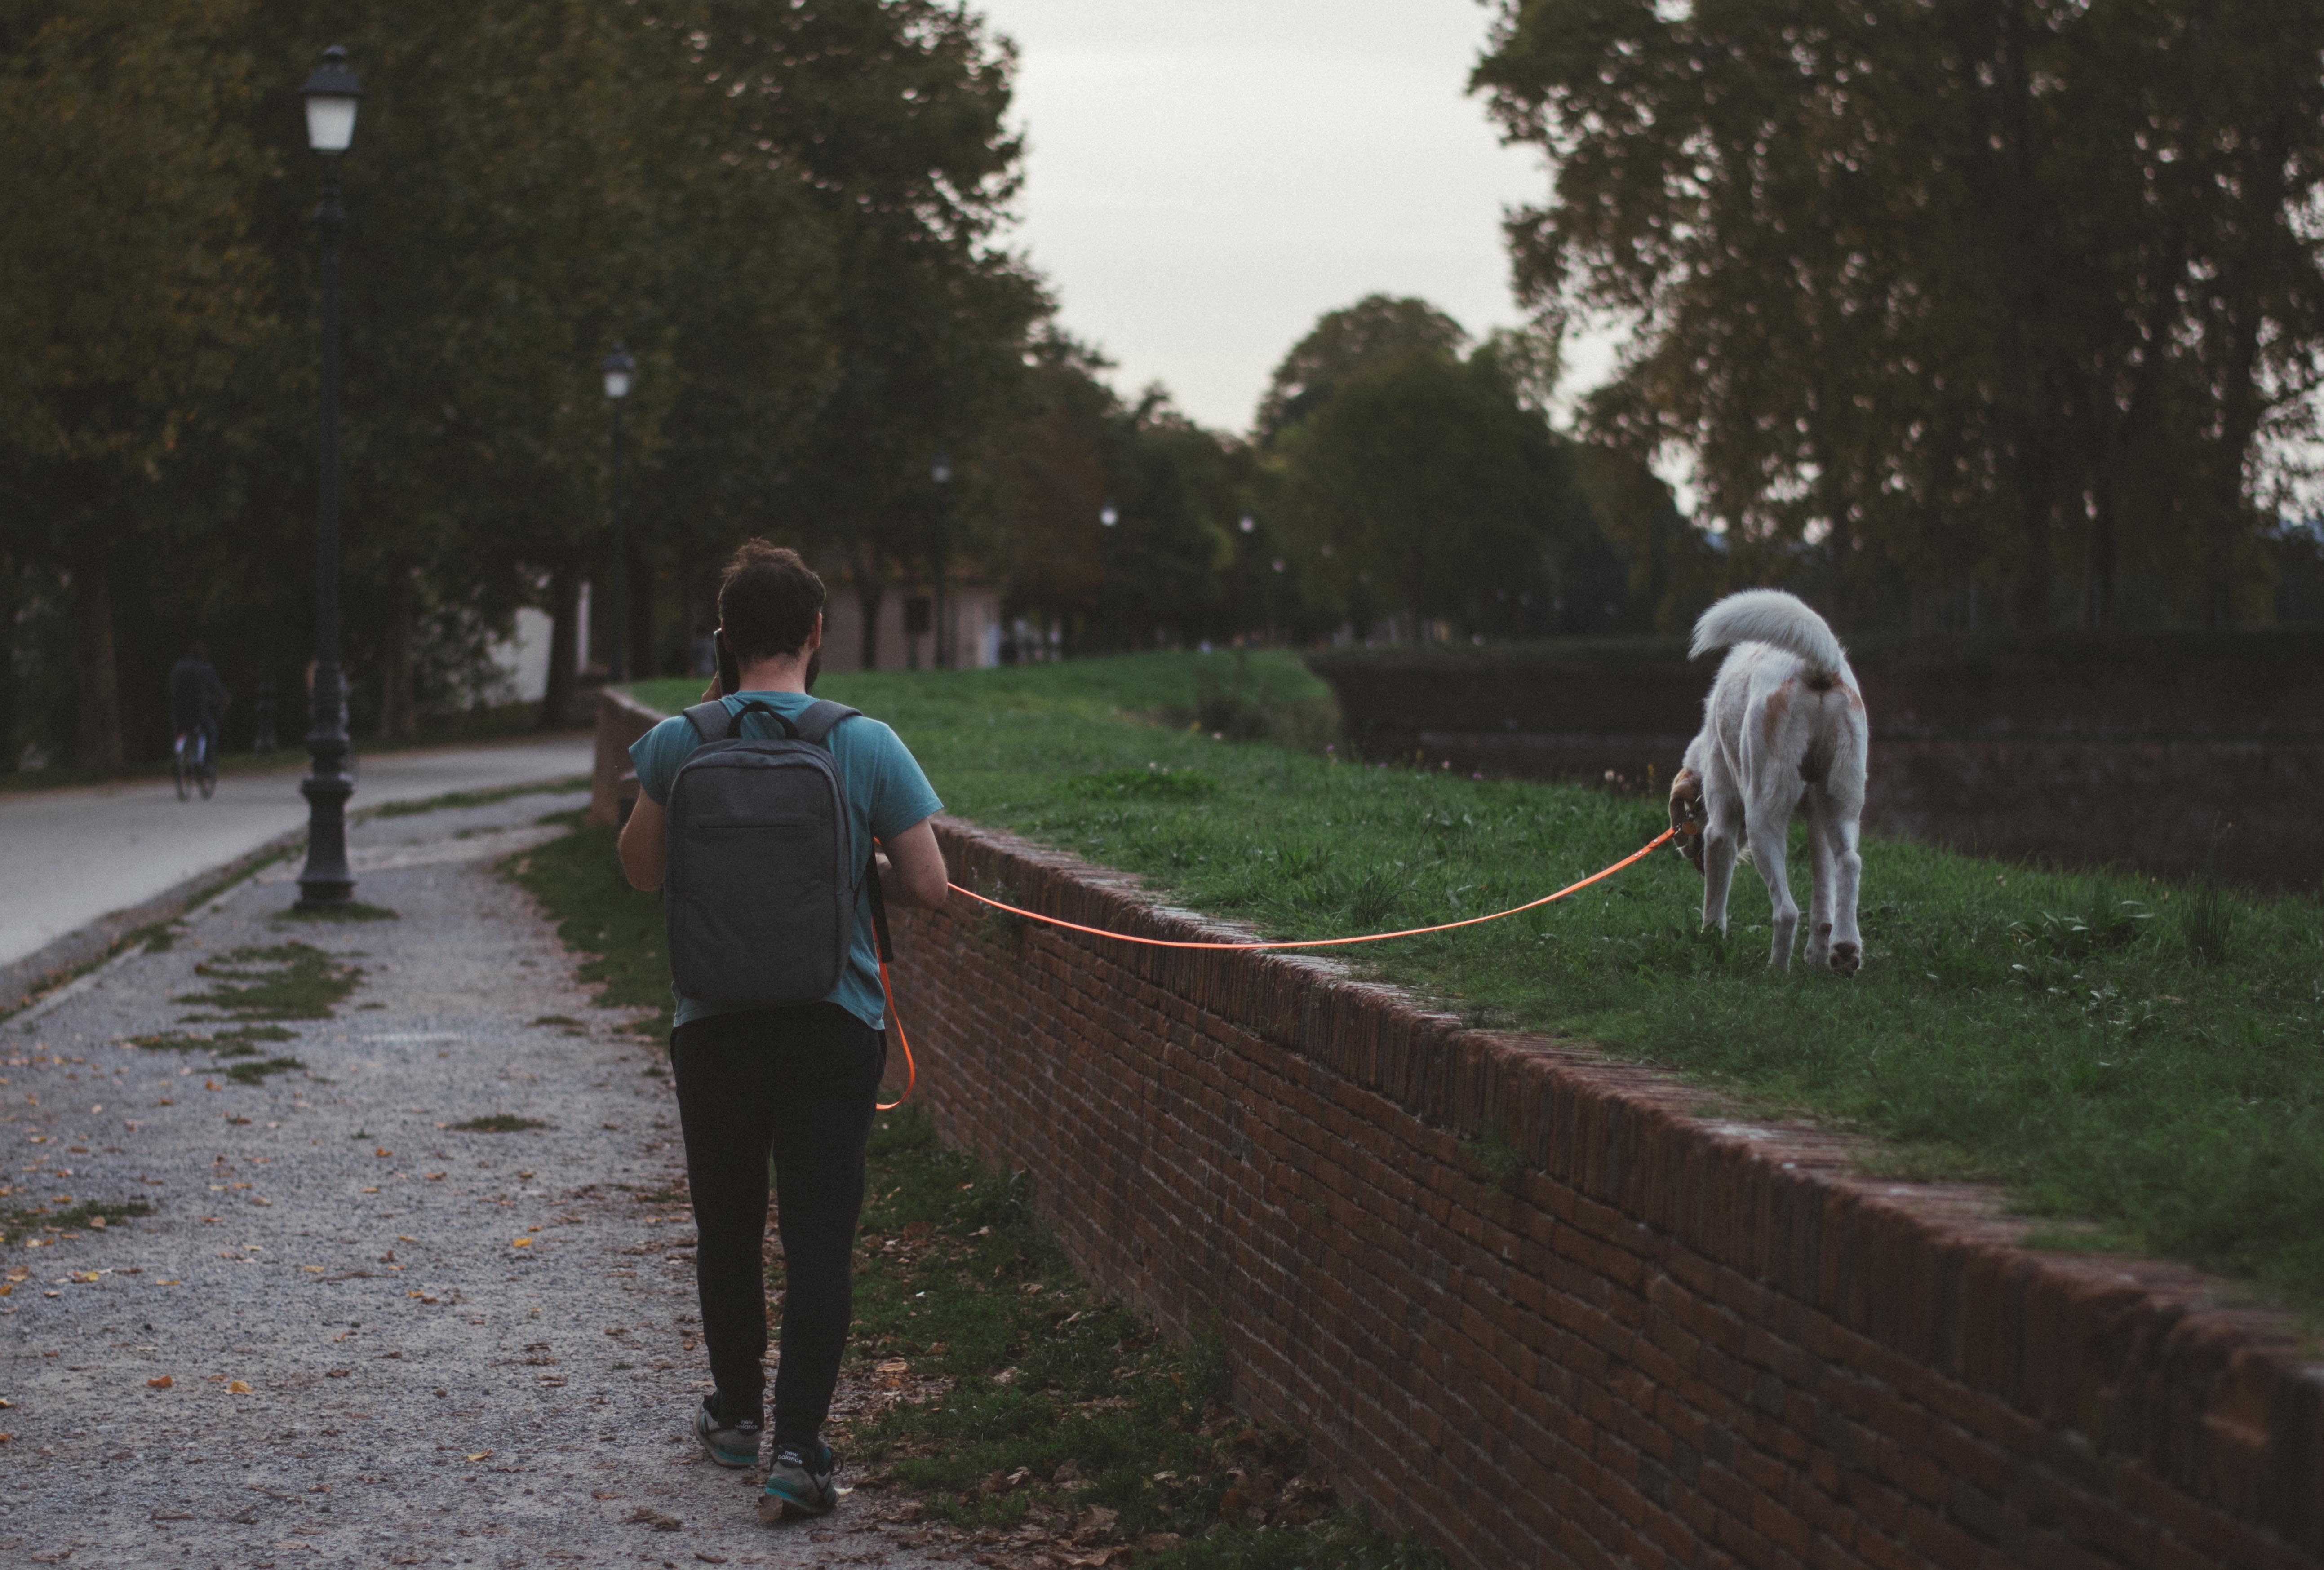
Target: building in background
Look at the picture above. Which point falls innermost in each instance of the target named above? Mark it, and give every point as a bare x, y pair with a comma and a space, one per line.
907, 629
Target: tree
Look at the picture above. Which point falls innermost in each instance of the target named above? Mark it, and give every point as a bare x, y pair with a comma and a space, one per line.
1423, 490
1373, 331
131, 289
2011, 295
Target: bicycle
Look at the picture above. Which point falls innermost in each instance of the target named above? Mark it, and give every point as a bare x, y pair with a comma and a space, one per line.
193, 764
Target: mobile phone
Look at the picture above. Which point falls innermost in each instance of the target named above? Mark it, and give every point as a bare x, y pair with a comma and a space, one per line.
729, 674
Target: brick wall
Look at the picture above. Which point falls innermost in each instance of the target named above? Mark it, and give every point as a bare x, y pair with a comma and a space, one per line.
1663, 1341
2170, 752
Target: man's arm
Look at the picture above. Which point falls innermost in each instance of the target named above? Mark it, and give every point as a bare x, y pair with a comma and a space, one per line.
917, 862
644, 853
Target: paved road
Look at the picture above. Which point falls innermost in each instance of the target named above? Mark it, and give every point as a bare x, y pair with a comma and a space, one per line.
69, 857
352, 1333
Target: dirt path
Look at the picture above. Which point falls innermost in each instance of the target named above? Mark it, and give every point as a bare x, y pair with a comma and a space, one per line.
349, 1332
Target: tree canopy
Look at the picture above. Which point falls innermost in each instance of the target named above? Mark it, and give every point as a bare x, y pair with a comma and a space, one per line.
2017, 298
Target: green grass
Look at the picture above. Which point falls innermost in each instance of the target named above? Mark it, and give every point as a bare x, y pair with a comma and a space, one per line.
578, 880
292, 980
19, 1222
2140, 1055
498, 1123
1026, 1399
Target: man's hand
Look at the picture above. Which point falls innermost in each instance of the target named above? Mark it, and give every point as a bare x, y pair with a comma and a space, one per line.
917, 862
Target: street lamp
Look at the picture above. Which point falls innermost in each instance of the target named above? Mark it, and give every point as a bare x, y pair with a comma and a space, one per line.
941, 472
333, 93
621, 371
1108, 516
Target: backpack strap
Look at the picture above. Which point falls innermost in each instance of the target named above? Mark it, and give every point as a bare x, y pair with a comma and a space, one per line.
819, 719
711, 722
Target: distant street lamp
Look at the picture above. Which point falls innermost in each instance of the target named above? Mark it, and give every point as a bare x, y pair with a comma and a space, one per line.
941, 472
333, 93
621, 371
1109, 517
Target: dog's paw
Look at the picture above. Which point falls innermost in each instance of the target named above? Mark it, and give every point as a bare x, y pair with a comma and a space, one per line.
1846, 958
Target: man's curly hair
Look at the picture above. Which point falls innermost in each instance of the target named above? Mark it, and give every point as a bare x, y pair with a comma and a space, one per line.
768, 600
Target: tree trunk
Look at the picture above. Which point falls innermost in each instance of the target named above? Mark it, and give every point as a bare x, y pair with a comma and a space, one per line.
96, 741
869, 593
640, 631
11, 700
399, 697
564, 649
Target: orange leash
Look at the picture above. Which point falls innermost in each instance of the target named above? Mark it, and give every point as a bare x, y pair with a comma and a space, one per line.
1656, 843
911, 1069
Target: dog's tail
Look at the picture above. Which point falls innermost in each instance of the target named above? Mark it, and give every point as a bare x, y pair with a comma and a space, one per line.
1771, 617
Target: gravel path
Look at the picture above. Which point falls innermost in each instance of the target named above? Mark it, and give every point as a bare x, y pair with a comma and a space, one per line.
349, 1333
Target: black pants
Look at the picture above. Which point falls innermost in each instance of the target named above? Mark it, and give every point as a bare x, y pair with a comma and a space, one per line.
798, 1084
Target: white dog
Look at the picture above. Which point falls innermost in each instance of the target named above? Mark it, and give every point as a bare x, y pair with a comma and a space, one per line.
1784, 727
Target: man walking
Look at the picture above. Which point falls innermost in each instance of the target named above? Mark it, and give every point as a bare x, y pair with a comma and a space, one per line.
794, 1081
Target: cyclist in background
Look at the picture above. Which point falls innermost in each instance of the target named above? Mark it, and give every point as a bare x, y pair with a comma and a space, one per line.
197, 699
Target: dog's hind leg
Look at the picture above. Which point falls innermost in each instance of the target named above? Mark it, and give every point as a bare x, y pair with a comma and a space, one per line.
1840, 832
1821, 859
1718, 871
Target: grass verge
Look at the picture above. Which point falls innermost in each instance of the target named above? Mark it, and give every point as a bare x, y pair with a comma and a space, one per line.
2115, 1049
578, 881
292, 980
1013, 1398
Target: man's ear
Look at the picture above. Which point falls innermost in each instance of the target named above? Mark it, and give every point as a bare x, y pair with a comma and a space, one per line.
815, 638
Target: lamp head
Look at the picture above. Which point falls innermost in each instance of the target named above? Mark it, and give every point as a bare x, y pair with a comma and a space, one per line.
333, 92
620, 371
941, 470
1109, 517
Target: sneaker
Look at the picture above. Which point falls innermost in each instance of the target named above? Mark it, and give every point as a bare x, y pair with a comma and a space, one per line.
799, 1482
728, 1444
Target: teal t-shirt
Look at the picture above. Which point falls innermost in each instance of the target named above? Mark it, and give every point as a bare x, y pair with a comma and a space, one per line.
887, 793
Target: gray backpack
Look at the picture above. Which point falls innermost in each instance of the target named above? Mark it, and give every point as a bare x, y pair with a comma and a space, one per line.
758, 897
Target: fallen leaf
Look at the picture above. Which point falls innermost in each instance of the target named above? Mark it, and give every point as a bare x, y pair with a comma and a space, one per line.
235, 1387
520, 1242
601, 1493
335, 1373
382, 1151
480, 1456
161, 1383
172, 1281
312, 1270
96, 1223
646, 1516
5, 1437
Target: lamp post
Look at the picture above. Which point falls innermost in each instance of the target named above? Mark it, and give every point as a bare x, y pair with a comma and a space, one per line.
333, 93
941, 472
620, 371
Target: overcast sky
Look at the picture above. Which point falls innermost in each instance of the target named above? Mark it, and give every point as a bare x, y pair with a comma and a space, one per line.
1207, 177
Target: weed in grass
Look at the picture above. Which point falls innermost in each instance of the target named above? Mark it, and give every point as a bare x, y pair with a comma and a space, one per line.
18, 1223
563, 1019
351, 910
256, 1073
498, 1123
292, 980
2206, 921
